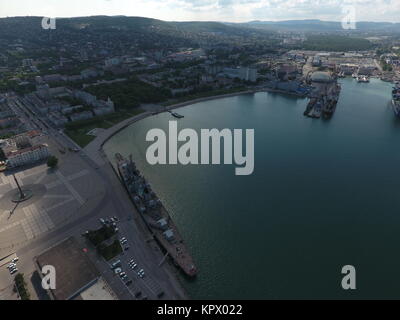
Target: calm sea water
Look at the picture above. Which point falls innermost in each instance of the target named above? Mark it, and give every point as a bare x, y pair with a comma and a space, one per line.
324, 194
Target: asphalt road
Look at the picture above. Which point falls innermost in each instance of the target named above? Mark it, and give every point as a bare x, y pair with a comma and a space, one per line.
114, 203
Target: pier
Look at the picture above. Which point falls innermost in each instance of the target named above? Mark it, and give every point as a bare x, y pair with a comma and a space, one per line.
155, 215
324, 96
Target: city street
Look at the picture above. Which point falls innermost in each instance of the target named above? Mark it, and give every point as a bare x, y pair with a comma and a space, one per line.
68, 201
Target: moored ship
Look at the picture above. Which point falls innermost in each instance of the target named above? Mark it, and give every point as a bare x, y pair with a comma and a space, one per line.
332, 102
155, 215
396, 107
396, 100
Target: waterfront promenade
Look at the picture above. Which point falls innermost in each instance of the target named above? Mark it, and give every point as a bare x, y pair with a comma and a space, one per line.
95, 148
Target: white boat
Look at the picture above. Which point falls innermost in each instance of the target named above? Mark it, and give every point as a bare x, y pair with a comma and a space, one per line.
362, 79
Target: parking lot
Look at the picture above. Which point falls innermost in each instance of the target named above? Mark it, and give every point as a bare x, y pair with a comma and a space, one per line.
126, 269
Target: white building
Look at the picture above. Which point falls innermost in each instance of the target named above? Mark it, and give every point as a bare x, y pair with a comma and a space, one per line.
27, 156
248, 74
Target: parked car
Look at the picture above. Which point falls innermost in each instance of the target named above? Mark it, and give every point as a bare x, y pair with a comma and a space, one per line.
116, 264
117, 270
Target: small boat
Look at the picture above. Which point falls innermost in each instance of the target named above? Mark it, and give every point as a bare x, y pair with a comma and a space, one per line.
317, 111
364, 79
177, 115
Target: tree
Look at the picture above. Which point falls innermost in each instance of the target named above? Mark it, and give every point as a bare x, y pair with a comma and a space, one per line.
52, 162
21, 287
2, 155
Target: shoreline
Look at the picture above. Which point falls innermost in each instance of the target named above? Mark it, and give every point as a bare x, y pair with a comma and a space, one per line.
95, 151
110, 132
107, 134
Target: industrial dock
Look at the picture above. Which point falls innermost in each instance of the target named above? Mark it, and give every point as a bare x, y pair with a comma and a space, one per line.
155, 215
324, 96
396, 99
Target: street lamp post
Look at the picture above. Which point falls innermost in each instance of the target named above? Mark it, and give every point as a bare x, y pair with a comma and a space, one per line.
21, 193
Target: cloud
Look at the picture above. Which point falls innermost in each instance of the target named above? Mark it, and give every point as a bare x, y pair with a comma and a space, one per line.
222, 10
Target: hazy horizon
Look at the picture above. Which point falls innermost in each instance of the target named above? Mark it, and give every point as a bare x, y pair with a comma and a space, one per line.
208, 10
221, 21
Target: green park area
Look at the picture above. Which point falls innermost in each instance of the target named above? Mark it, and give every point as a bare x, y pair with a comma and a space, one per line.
205, 94
96, 237
110, 251
21, 287
78, 130
99, 238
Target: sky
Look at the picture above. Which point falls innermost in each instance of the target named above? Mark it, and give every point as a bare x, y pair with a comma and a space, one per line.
208, 10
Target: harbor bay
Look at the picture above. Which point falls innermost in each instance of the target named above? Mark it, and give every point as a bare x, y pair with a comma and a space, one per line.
324, 194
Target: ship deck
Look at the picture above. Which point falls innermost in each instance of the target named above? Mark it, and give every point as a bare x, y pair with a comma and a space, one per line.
175, 247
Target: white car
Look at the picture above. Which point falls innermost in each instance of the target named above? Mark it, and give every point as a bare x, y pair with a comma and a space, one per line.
13, 271
116, 264
118, 270
15, 260
11, 265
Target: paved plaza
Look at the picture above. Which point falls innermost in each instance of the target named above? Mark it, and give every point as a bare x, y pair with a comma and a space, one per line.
59, 196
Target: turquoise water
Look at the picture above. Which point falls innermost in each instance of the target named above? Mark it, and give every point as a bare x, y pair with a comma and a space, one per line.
324, 194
